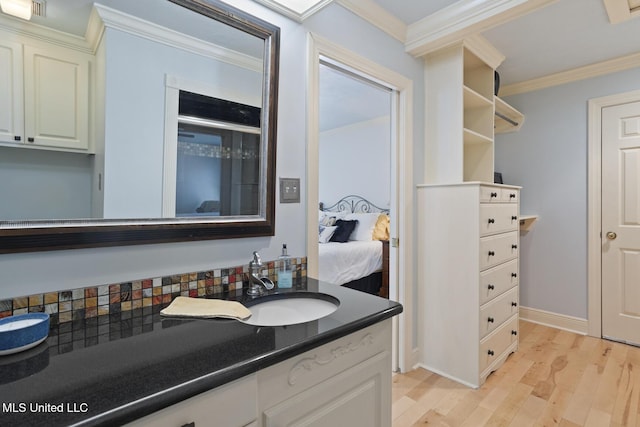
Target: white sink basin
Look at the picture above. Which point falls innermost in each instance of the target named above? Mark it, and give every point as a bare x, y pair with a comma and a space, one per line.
290, 309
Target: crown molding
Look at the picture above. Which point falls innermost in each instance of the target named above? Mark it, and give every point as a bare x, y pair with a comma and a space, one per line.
44, 34
463, 19
378, 16
593, 70
292, 14
485, 50
106, 17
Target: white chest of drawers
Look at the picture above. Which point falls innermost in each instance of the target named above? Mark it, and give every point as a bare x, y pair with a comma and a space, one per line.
467, 278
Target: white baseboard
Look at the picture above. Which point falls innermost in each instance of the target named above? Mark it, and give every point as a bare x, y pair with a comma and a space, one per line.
555, 320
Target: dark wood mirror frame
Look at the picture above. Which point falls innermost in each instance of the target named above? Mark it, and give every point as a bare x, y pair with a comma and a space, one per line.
74, 234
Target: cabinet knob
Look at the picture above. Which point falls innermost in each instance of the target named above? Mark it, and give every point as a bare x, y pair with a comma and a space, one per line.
514, 332
514, 246
491, 287
17, 138
31, 139
514, 274
491, 220
492, 253
512, 196
490, 319
514, 304
494, 194
490, 352
514, 218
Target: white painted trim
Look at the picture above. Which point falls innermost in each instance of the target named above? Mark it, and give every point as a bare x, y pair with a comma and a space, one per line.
594, 215
317, 47
598, 69
554, 320
378, 16
485, 50
293, 14
618, 10
121, 21
463, 19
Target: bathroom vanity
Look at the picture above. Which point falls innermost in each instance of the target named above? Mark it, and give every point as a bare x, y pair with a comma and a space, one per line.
148, 370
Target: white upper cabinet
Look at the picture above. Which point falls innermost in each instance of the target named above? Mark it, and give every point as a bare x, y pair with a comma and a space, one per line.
11, 95
44, 97
56, 98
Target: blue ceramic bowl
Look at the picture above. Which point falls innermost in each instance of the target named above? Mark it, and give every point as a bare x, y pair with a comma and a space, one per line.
23, 331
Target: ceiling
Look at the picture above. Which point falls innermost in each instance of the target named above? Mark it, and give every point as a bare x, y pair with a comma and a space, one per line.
561, 36
564, 35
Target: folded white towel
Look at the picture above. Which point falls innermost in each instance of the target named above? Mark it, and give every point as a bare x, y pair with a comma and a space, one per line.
206, 308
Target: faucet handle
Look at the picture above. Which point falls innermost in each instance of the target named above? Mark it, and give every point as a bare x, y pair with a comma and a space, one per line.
256, 262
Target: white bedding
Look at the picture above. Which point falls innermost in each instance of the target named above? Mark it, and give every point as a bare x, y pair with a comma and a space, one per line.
339, 263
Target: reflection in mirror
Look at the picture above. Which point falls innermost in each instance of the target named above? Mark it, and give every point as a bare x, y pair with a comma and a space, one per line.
218, 157
182, 113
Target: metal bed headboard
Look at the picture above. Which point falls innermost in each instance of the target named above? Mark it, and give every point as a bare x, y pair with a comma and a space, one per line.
353, 204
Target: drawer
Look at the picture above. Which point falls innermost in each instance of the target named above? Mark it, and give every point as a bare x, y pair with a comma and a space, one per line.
493, 346
490, 194
497, 249
509, 195
497, 280
498, 218
496, 312
234, 404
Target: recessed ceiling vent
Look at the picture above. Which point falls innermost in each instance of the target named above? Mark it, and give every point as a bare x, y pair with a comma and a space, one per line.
38, 8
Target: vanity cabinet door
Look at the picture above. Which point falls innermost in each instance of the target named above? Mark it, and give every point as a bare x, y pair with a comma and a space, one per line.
351, 398
232, 405
56, 90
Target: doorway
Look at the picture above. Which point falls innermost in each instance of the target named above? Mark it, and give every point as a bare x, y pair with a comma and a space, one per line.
614, 217
401, 157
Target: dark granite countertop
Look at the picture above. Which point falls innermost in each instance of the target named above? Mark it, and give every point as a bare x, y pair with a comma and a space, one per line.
113, 369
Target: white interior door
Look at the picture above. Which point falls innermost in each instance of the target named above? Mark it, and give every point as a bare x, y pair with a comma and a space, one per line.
621, 222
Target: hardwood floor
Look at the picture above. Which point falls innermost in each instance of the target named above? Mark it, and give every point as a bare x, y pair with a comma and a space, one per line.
556, 378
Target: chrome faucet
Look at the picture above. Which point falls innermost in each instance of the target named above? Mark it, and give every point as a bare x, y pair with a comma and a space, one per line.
256, 280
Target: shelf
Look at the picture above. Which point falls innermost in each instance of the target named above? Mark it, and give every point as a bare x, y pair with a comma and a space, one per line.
472, 137
508, 119
473, 99
526, 222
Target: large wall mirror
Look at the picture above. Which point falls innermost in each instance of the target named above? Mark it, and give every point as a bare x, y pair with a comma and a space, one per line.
183, 136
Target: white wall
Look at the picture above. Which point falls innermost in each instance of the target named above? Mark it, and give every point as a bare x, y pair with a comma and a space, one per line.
548, 158
23, 274
355, 159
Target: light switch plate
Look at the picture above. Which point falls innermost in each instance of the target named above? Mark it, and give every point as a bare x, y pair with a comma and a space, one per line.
289, 190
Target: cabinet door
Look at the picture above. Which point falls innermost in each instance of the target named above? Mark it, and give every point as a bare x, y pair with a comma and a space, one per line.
56, 88
357, 397
11, 98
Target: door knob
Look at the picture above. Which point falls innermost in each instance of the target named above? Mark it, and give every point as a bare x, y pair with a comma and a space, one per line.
611, 235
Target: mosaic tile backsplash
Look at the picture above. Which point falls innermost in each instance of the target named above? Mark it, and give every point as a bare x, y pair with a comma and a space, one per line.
109, 299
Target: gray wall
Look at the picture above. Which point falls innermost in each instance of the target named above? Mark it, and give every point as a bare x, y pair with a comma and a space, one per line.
548, 158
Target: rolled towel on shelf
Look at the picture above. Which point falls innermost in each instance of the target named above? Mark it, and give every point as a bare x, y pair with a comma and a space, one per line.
205, 308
